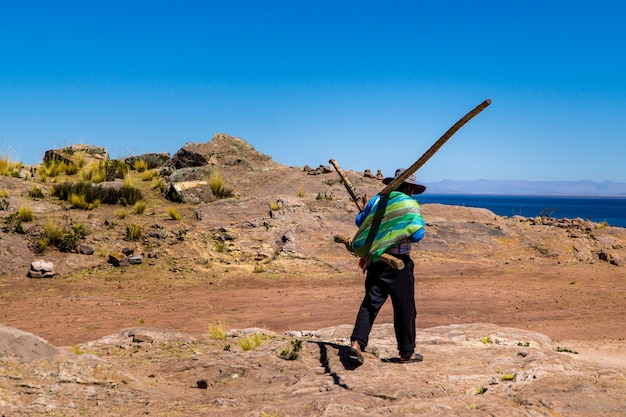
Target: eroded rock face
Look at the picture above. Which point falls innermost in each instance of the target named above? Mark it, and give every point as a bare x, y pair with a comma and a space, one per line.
153, 160
467, 369
70, 154
224, 150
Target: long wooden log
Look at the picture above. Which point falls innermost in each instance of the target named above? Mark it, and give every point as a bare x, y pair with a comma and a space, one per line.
395, 183
351, 190
387, 258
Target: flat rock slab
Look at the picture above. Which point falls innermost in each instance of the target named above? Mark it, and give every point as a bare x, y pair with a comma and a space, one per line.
468, 369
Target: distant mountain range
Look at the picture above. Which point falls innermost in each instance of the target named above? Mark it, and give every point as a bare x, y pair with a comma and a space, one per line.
510, 187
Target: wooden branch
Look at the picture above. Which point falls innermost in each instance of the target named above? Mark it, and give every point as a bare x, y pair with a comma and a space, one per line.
434, 148
387, 258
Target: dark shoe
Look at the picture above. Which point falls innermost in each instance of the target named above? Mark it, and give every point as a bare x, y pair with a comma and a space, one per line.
355, 357
415, 357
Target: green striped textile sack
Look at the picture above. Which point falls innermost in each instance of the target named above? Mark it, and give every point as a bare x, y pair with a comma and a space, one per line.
393, 219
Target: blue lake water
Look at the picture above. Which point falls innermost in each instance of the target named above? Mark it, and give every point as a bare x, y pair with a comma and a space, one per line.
598, 209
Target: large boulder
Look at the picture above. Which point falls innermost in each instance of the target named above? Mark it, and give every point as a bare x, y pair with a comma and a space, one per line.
70, 154
222, 150
154, 160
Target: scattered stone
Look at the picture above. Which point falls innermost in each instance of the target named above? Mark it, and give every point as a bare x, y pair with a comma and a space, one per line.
128, 251
118, 259
135, 260
322, 169
158, 234
202, 384
189, 192
85, 249
607, 257
379, 175
368, 174
41, 269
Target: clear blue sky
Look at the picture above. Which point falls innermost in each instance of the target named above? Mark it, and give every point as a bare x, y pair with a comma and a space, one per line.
370, 83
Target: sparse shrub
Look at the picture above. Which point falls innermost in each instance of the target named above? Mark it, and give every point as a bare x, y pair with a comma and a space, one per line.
93, 195
139, 207
64, 190
79, 230
140, 165
480, 390
25, 214
149, 175
292, 354
220, 246
274, 205
41, 245
217, 185
252, 341
325, 196
508, 377
4, 204
173, 213
35, 192
485, 340
14, 223
53, 232
70, 169
79, 158
258, 268
301, 191
69, 240
120, 214
217, 331
603, 225
94, 172
129, 195
9, 168
80, 201
66, 240
546, 213
54, 168
4, 193
116, 168
133, 232
160, 184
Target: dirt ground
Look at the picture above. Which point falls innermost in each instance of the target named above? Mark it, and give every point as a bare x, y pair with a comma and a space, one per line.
571, 302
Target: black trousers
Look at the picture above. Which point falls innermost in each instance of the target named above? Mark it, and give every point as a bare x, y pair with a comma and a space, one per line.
382, 282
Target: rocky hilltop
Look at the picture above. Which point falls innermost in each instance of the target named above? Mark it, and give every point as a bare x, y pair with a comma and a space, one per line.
219, 232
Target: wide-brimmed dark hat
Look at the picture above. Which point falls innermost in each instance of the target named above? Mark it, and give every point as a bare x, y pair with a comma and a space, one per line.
417, 188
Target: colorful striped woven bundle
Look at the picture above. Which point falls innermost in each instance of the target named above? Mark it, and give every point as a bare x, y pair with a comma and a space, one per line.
392, 219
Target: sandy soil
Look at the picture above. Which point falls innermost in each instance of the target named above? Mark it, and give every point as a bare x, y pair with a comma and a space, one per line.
574, 302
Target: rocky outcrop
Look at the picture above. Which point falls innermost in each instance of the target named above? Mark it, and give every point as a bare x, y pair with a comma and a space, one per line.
468, 369
70, 154
223, 150
153, 160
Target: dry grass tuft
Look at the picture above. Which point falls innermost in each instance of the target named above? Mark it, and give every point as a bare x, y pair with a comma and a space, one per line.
174, 214
25, 214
